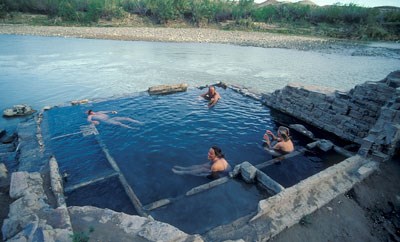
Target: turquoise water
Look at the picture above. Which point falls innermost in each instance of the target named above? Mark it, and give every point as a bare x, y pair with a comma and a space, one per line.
42, 71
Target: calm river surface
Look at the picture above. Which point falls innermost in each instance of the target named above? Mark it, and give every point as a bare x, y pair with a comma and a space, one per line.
42, 71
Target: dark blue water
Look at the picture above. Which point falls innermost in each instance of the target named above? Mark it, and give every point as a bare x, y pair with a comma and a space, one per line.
107, 193
178, 130
80, 157
218, 206
42, 71
295, 169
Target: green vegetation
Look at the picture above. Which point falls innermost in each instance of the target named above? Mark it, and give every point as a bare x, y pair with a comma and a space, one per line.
82, 236
341, 21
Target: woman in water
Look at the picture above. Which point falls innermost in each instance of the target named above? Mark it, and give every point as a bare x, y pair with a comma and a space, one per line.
217, 166
284, 144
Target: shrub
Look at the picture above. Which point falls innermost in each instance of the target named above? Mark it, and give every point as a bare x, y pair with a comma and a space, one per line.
66, 10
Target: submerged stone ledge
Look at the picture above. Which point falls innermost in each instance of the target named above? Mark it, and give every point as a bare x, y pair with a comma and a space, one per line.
368, 115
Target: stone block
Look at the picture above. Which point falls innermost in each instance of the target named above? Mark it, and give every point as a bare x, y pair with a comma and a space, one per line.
56, 182
269, 183
367, 169
167, 89
235, 172
324, 145
19, 184
248, 172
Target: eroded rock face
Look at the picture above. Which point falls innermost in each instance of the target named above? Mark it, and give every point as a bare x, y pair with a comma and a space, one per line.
18, 110
31, 218
368, 114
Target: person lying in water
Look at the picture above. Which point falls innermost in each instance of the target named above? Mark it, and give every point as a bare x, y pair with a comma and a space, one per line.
96, 117
283, 145
212, 96
217, 167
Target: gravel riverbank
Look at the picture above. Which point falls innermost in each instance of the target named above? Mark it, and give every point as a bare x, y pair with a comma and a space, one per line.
204, 35
196, 35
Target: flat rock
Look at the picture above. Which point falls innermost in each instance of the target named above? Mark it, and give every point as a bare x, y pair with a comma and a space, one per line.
167, 89
18, 110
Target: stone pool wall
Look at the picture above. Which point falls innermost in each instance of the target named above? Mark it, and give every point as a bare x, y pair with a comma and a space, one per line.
368, 114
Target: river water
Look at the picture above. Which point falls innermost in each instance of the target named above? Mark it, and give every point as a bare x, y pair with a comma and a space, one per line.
42, 71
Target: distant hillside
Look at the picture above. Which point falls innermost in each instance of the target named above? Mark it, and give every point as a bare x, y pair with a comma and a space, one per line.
388, 8
268, 2
275, 2
307, 2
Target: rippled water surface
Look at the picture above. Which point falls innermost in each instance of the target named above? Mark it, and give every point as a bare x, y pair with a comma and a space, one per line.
47, 70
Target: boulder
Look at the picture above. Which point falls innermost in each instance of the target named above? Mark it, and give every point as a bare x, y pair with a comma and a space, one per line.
18, 110
167, 89
301, 129
248, 172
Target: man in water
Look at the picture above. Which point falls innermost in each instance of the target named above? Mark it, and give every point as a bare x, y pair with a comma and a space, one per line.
284, 144
217, 166
212, 96
95, 117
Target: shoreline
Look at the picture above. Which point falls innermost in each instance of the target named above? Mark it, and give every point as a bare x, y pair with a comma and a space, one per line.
212, 36
178, 35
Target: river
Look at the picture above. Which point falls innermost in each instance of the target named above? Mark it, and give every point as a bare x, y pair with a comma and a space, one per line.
42, 71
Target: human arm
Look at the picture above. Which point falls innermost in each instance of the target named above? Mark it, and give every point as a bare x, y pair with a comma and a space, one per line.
214, 100
105, 112
89, 119
204, 95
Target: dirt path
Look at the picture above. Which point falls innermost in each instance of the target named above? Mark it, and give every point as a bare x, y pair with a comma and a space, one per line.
369, 212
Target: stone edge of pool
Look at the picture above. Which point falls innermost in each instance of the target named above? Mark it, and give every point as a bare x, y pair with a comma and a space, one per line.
369, 115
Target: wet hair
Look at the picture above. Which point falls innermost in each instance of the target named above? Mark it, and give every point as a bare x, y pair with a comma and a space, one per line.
218, 152
284, 132
89, 111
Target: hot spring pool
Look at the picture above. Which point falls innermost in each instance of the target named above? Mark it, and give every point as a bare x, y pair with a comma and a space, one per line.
178, 130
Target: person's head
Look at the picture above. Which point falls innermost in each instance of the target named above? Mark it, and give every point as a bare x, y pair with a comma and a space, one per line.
89, 112
211, 90
284, 133
214, 152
